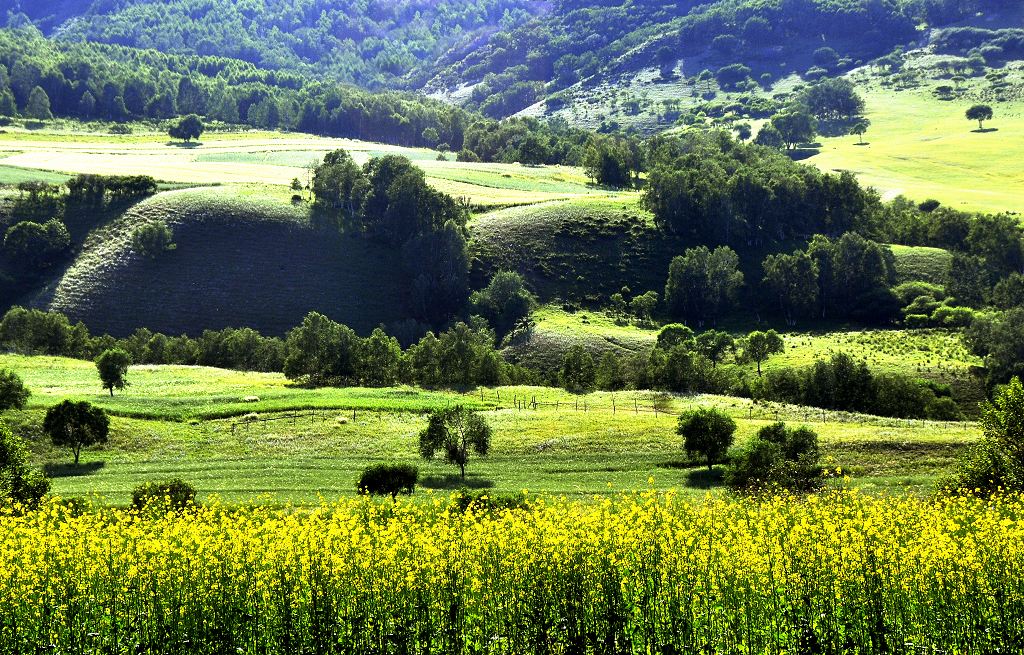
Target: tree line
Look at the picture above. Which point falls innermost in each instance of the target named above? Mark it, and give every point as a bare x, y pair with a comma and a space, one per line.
41, 78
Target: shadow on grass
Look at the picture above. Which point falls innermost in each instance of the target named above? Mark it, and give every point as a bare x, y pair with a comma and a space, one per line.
702, 478
801, 153
185, 144
986, 130
866, 143
454, 481
54, 470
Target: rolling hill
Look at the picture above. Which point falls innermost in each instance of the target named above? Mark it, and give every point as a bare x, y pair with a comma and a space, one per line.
239, 260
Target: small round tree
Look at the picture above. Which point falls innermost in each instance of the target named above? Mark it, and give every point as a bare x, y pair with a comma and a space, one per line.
76, 425
859, 128
388, 480
980, 113
152, 239
707, 432
758, 346
455, 431
112, 366
188, 128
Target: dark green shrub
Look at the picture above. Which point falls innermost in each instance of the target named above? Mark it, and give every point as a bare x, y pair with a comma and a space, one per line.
777, 458
175, 494
485, 501
388, 480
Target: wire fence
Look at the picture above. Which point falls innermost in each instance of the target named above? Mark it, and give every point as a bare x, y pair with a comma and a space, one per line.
657, 405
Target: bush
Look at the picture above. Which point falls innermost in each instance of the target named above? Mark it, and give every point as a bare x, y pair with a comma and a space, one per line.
174, 494
777, 458
707, 433
953, 316
18, 482
388, 479
152, 239
484, 501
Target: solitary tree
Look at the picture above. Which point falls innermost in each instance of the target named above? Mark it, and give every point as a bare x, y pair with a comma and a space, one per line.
666, 61
113, 369
388, 479
152, 239
76, 424
455, 431
644, 305
859, 128
980, 113
758, 346
707, 432
188, 128
13, 394
795, 126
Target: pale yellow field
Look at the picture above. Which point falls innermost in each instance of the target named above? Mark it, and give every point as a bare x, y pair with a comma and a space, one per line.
277, 160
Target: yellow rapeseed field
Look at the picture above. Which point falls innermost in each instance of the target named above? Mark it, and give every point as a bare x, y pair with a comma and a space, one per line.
641, 573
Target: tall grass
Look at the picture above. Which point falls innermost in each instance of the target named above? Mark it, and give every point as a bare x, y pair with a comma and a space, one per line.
645, 573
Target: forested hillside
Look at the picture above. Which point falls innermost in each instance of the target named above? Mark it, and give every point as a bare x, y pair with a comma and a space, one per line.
372, 44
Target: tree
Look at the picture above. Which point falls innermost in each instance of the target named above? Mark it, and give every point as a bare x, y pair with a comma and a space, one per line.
388, 480
87, 105
188, 128
714, 345
610, 161
796, 126
702, 283
32, 245
980, 113
152, 239
76, 425
833, 99
18, 482
743, 131
322, 351
770, 137
707, 432
504, 301
644, 305
860, 128
793, 280
112, 366
731, 76
456, 431
759, 346
13, 394
38, 105
826, 57
777, 457
578, 372
430, 136
666, 58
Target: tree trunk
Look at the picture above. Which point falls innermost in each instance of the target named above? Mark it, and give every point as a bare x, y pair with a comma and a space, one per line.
462, 469
77, 451
111, 392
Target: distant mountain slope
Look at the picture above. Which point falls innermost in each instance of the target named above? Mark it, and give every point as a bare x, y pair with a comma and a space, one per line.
367, 42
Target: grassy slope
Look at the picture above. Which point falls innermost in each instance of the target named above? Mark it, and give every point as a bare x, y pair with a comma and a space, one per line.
922, 147
563, 452
584, 249
243, 257
919, 263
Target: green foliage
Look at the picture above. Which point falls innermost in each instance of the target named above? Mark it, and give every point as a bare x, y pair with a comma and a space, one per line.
708, 433
38, 105
997, 463
702, 284
759, 346
33, 246
796, 126
578, 373
76, 425
19, 483
112, 366
190, 127
456, 431
999, 339
611, 161
980, 113
778, 457
833, 99
174, 494
153, 239
388, 480
793, 281
13, 393
504, 302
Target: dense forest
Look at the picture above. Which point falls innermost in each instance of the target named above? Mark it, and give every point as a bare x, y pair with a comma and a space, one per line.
42, 78
513, 52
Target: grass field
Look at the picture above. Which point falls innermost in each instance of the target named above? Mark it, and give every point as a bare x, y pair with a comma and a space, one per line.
189, 422
269, 158
922, 147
